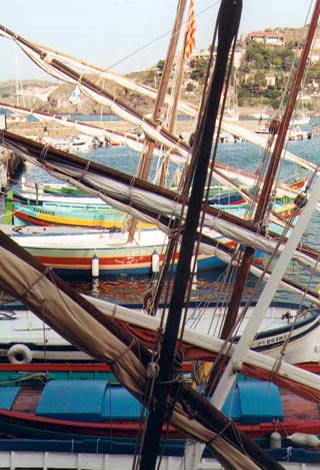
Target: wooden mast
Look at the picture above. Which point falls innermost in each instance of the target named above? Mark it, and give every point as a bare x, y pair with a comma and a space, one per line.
146, 157
167, 70
228, 24
194, 451
243, 271
177, 91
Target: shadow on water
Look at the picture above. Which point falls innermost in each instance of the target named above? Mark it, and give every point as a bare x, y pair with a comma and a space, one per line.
209, 286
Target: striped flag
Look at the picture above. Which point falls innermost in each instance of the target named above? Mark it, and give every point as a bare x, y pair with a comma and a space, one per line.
190, 40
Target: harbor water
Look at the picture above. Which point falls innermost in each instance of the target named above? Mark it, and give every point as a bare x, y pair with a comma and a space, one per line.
242, 155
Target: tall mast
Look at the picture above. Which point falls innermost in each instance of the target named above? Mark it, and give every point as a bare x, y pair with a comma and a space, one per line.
228, 24
243, 271
146, 157
188, 45
194, 451
166, 74
247, 337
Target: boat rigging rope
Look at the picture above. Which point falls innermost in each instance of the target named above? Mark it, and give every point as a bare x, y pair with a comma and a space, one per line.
222, 357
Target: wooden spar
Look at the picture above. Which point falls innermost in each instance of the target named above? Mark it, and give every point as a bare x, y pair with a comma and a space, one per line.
117, 105
261, 208
173, 111
146, 157
241, 349
160, 100
40, 290
178, 84
157, 288
228, 24
54, 157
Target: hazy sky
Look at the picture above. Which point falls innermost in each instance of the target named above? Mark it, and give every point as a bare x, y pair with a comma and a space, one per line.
122, 34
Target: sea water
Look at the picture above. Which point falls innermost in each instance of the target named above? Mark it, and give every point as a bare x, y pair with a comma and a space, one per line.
242, 155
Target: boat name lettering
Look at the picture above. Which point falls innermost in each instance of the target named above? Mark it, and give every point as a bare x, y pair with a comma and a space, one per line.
273, 340
44, 211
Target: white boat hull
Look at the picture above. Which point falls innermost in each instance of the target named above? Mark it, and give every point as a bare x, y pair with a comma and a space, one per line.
25, 338
82, 461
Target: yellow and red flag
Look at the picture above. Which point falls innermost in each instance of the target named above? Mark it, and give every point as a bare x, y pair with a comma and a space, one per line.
190, 40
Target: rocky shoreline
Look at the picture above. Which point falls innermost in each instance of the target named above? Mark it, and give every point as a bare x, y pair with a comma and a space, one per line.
37, 130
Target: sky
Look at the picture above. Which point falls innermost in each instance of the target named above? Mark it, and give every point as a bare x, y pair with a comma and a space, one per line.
123, 35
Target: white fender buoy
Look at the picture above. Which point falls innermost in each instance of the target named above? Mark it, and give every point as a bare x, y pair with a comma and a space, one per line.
275, 440
155, 262
19, 354
95, 266
302, 439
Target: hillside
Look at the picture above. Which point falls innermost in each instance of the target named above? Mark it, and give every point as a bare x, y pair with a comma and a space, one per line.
261, 78
56, 101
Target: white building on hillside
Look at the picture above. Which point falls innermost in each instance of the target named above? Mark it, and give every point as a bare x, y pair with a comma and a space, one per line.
271, 38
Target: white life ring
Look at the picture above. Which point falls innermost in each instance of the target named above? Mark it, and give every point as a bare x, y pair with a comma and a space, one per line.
19, 354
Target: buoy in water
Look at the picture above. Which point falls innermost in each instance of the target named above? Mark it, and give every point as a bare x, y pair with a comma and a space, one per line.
155, 262
95, 266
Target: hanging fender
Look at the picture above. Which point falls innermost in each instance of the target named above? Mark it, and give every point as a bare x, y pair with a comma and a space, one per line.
19, 354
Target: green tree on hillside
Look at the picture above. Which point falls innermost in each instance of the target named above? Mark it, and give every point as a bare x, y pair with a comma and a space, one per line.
199, 69
263, 57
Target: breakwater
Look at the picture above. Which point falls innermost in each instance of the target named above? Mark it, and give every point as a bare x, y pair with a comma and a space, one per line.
37, 130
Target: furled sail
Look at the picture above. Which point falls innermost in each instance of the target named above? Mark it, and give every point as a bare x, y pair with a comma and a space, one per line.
185, 108
52, 62
223, 175
114, 137
144, 200
57, 69
79, 322
198, 346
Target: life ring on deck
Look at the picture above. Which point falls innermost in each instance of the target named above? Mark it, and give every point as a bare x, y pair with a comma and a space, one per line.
19, 354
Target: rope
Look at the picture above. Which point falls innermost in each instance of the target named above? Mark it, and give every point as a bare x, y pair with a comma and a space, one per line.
84, 171
43, 154
38, 278
114, 363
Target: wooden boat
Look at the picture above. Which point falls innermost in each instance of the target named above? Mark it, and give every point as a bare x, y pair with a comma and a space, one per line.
92, 216
35, 372
32, 197
31, 340
112, 453
105, 409
31, 374
130, 359
66, 194
296, 133
74, 253
101, 216
70, 195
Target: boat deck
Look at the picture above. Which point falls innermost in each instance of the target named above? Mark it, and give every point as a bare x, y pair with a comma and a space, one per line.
27, 400
297, 408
